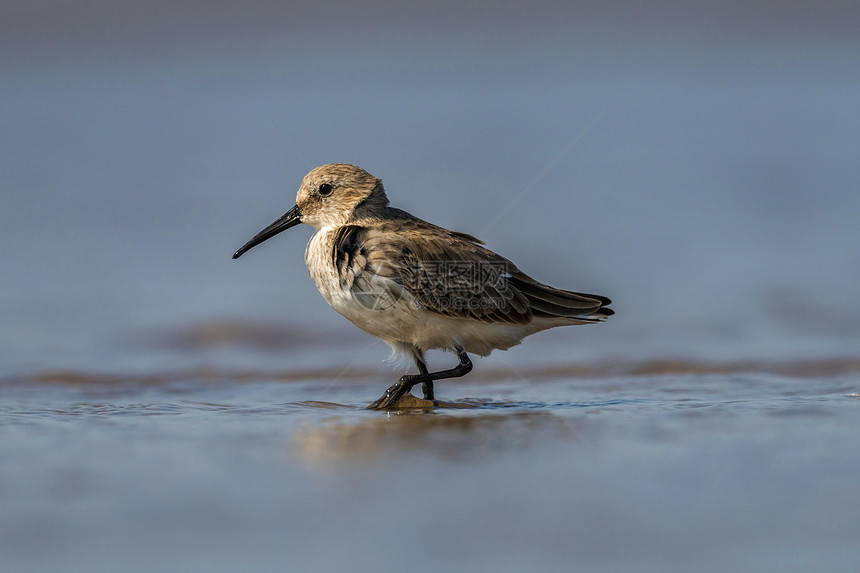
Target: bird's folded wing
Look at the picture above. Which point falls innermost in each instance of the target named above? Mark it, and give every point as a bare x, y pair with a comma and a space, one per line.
449, 273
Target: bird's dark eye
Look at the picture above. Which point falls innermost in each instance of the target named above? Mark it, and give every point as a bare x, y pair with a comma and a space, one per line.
325, 189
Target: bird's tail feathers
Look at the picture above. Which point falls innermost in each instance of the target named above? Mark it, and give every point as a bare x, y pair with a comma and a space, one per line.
549, 302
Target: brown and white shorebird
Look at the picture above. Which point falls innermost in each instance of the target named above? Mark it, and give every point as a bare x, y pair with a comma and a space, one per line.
414, 285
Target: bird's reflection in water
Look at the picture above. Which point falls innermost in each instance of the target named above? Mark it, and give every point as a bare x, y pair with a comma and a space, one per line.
471, 430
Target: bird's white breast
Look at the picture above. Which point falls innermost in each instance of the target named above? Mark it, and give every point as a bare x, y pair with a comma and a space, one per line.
318, 258
391, 322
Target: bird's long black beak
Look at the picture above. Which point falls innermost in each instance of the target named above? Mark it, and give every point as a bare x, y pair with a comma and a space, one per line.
289, 219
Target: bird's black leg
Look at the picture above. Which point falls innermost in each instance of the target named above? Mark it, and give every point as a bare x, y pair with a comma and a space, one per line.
426, 387
405, 384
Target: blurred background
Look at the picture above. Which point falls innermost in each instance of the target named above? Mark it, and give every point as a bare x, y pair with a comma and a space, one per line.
695, 161
162, 405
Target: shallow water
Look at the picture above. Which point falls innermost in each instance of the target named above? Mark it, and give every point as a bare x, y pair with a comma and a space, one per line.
674, 467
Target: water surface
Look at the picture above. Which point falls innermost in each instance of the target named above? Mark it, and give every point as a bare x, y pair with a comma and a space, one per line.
671, 468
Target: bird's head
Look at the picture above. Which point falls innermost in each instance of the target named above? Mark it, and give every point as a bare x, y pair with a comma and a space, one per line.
329, 196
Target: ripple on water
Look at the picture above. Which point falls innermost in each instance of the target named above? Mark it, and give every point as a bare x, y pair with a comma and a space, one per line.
689, 388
